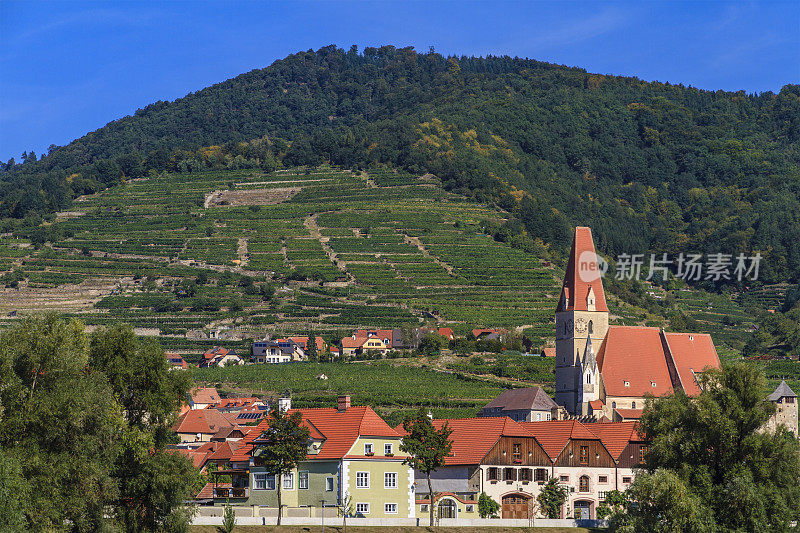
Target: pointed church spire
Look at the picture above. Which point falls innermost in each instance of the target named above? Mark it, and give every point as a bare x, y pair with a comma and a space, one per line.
583, 283
589, 359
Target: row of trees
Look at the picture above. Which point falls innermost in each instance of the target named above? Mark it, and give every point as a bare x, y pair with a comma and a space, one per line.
84, 425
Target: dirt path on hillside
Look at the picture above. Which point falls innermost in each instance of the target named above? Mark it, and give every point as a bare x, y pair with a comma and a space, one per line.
313, 229
242, 252
416, 242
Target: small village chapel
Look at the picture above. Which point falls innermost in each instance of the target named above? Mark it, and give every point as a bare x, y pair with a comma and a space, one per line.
607, 371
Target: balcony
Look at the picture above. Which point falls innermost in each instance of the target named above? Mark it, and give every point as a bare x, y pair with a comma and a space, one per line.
231, 492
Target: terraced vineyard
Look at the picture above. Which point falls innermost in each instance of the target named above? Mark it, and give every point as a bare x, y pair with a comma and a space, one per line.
338, 251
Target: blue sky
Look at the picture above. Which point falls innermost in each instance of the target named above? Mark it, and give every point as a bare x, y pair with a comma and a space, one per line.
69, 67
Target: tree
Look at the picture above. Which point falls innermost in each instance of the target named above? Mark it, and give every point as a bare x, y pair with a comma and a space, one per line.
285, 444
427, 448
664, 504
311, 346
228, 520
552, 498
346, 508
59, 428
487, 507
713, 451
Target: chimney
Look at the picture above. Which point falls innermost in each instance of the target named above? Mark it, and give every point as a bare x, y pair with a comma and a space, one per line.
284, 404
343, 403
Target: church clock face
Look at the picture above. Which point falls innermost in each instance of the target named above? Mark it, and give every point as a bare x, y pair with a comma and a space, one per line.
580, 325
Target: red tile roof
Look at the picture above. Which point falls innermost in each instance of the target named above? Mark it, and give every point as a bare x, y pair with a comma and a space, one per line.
197, 457
350, 342
554, 435
596, 404
473, 438
691, 353
215, 352
340, 430
233, 403
630, 414
207, 421
303, 342
446, 332
581, 275
207, 492
205, 395
219, 451
634, 355
616, 436
549, 351
477, 332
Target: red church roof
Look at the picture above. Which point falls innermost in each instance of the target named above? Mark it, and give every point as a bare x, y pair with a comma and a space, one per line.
581, 275
691, 353
633, 362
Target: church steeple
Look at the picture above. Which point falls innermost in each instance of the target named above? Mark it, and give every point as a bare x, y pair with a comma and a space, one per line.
583, 285
581, 323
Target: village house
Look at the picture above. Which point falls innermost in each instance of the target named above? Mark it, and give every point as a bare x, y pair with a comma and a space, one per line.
352, 452
218, 356
607, 371
277, 351
531, 404
176, 362
352, 346
202, 397
200, 425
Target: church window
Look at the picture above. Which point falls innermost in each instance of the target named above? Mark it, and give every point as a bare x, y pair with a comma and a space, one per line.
633, 405
613, 405
591, 329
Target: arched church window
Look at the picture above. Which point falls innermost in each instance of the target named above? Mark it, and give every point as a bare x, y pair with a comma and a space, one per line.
591, 327
633, 405
613, 405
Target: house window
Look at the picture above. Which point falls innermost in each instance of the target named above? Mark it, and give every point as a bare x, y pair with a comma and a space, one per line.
583, 484
564, 479
509, 474
643, 453
538, 417
517, 453
548, 416
329, 484
584, 457
602, 495
626, 480
388, 449
540, 474
390, 508
362, 508
423, 508
525, 474
789, 400
263, 482
368, 449
602, 479
362, 480
302, 480
288, 481
492, 474
390, 480
469, 508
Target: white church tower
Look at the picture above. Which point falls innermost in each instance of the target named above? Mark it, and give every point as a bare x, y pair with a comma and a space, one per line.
581, 324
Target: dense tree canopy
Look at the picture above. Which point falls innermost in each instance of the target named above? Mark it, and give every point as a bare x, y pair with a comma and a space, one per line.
83, 425
711, 467
650, 166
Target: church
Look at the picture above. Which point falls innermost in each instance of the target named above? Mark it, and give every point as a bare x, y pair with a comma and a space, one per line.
604, 370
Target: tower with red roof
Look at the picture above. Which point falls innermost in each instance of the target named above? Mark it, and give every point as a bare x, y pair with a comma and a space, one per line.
581, 324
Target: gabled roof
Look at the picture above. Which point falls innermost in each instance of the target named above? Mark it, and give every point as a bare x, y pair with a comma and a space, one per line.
473, 438
477, 332
616, 436
205, 395
531, 398
691, 353
234, 403
446, 332
217, 351
634, 355
207, 421
582, 275
629, 414
554, 435
350, 342
783, 391
339, 430
197, 457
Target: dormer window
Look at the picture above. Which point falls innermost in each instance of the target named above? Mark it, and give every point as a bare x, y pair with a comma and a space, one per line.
652, 383
626, 383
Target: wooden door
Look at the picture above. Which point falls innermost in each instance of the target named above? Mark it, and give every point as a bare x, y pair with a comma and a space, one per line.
515, 506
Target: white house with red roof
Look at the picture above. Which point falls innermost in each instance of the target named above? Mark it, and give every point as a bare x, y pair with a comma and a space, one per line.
607, 370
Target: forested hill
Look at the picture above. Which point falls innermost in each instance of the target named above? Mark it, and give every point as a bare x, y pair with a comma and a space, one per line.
650, 166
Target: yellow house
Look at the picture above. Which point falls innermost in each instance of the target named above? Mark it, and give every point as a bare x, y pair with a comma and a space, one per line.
353, 455
357, 345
